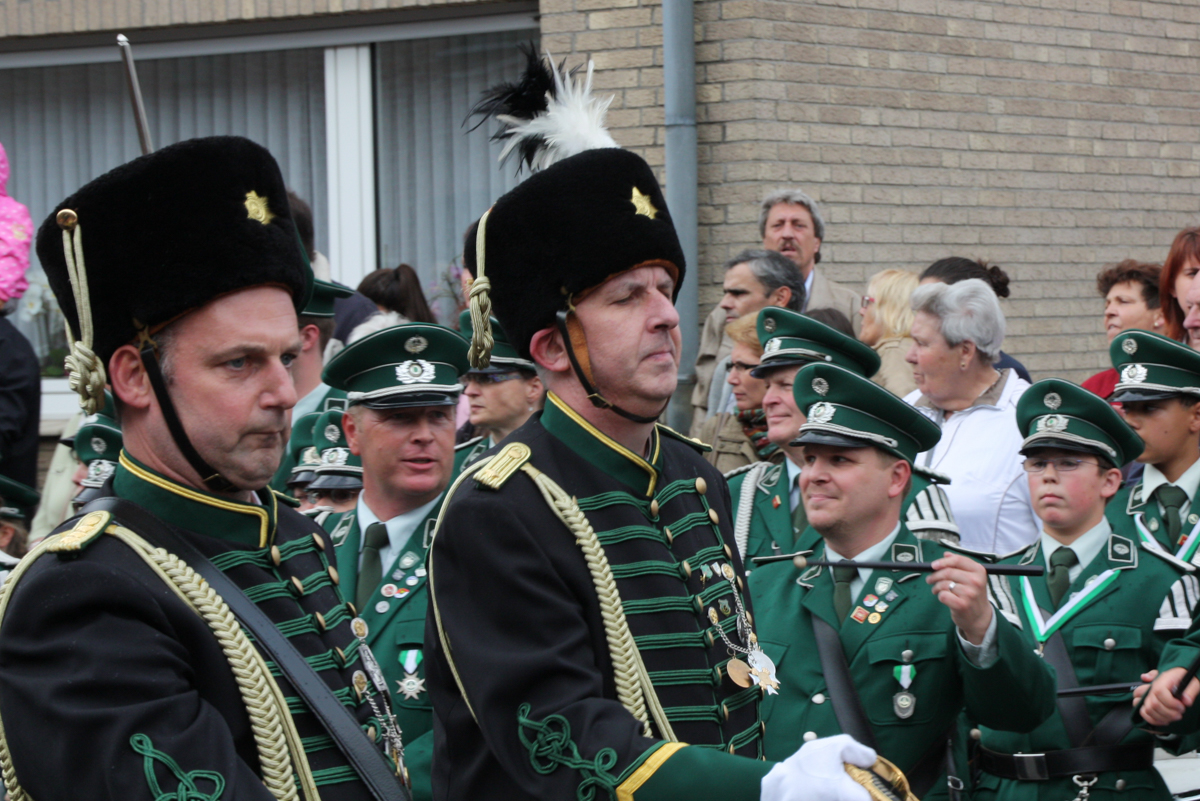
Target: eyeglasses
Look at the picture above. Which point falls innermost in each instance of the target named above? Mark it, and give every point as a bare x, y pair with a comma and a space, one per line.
338, 496
490, 378
740, 367
866, 301
1062, 464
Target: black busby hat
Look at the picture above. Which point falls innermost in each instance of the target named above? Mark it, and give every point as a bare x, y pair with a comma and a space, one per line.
165, 234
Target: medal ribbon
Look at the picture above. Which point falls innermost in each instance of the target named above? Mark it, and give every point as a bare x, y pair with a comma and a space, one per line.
1044, 629
410, 660
1185, 552
905, 675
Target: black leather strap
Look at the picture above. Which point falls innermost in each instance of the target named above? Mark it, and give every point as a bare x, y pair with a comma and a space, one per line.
936, 762
598, 400
1067, 762
366, 759
847, 706
211, 478
1073, 711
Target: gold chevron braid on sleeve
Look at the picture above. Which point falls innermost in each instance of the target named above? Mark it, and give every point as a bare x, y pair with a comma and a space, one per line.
278, 743
634, 689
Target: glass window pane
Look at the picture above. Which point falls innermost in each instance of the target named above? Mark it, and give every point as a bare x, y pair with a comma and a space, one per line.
434, 177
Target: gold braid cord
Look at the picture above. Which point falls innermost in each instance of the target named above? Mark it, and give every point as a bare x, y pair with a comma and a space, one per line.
280, 751
85, 371
634, 689
480, 302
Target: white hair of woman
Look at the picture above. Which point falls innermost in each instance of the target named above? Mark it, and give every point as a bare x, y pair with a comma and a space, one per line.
967, 312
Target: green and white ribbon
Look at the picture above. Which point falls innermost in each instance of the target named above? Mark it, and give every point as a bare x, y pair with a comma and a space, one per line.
1185, 552
1044, 629
410, 660
905, 675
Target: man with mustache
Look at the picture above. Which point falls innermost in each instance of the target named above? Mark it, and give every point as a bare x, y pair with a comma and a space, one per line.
1103, 613
402, 384
181, 276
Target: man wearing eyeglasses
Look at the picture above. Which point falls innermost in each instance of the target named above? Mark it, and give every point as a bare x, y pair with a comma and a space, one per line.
1103, 612
401, 384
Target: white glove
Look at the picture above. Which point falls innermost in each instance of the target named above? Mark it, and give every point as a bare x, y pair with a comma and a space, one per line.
817, 772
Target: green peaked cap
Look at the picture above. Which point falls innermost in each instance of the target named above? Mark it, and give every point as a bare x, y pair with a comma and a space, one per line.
417, 364
98, 444
324, 293
1054, 413
504, 355
302, 450
338, 468
16, 500
847, 410
789, 338
1150, 367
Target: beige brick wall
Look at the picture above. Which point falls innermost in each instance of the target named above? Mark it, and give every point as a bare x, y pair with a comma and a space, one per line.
1048, 136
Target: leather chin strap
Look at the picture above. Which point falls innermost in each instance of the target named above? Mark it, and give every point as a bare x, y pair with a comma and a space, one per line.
598, 400
211, 478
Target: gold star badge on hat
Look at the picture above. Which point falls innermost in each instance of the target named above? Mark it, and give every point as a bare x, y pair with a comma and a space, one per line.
642, 204
257, 209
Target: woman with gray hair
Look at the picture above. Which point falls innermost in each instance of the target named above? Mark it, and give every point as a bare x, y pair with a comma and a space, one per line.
957, 332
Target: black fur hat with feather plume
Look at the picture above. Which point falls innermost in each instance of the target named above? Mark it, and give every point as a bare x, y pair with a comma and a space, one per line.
590, 209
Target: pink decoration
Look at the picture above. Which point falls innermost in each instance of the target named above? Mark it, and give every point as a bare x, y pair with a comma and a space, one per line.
16, 236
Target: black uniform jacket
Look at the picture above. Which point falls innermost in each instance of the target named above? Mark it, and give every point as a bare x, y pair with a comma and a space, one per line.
111, 687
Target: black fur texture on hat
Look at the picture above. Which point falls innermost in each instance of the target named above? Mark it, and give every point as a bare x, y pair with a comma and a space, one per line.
170, 231
569, 228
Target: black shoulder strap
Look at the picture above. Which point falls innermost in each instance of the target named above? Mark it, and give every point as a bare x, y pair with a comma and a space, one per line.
1073, 710
366, 759
847, 706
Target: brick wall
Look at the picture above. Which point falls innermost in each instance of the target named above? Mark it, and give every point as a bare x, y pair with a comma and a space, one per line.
1048, 136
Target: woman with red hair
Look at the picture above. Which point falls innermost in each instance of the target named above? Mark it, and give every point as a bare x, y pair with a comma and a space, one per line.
1181, 266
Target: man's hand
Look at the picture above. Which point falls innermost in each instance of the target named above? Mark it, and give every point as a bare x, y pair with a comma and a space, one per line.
1161, 708
961, 584
817, 772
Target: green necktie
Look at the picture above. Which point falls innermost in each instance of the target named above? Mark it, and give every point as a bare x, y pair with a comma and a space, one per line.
1059, 577
372, 569
799, 518
843, 574
1172, 499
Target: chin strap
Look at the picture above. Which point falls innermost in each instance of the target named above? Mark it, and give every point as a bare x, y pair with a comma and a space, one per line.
598, 400
211, 478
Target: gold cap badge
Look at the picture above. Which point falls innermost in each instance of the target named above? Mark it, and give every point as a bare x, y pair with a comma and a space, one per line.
257, 208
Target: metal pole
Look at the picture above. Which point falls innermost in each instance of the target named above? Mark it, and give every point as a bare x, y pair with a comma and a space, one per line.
679, 100
135, 94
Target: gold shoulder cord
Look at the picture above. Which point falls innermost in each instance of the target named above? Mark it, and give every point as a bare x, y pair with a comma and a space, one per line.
634, 689
280, 751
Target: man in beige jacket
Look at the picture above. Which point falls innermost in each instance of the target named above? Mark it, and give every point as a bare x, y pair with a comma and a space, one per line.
789, 222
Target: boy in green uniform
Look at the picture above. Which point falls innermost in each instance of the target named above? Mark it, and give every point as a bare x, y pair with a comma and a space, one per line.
402, 384
769, 518
873, 653
1159, 392
1103, 612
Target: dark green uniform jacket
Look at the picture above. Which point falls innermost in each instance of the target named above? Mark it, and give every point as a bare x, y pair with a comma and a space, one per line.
111, 687
541, 719
395, 614
1114, 637
914, 628
1139, 518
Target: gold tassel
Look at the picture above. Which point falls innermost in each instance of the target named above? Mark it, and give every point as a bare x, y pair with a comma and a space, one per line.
480, 354
84, 368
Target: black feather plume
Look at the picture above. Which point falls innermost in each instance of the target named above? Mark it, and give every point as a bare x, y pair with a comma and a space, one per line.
524, 100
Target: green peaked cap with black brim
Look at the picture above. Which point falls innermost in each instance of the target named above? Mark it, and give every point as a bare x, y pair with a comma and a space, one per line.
17, 500
302, 450
1152, 367
338, 467
1054, 413
504, 356
324, 293
789, 339
418, 364
846, 410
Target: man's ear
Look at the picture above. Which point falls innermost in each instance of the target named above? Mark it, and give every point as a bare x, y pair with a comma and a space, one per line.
780, 297
128, 378
350, 427
310, 337
547, 349
901, 478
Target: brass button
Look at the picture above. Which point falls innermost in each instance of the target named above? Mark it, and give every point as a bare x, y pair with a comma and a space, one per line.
333, 576
701, 486
731, 748
686, 569
749, 617
712, 515
762, 727
67, 219
708, 638
670, 536
654, 508
725, 711
297, 585
728, 553
320, 542
276, 556
741, 585
698, 604
341, 655
371, 733
350, 608
320, 620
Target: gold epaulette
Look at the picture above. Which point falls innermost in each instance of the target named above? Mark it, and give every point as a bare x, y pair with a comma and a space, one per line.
86, 530
501, 467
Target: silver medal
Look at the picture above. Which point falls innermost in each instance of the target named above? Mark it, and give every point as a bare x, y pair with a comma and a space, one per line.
762, 670
904, 703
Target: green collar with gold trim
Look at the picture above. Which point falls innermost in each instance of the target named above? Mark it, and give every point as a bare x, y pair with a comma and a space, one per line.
618, 461
193, 509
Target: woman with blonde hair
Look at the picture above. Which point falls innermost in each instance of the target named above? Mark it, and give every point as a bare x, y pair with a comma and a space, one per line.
886, 326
